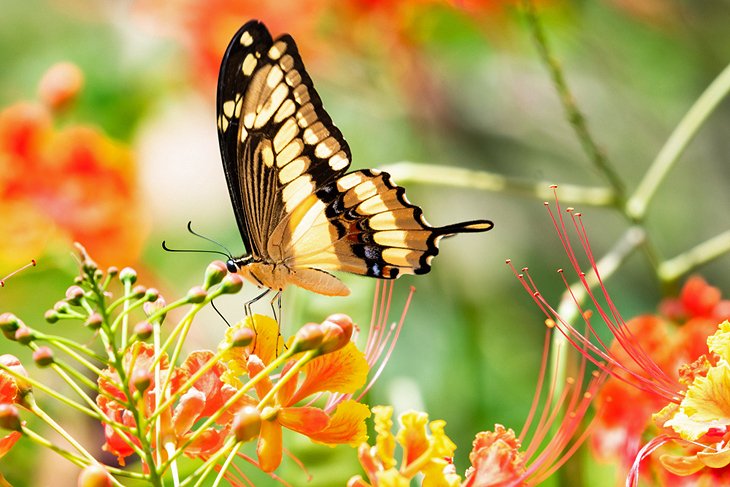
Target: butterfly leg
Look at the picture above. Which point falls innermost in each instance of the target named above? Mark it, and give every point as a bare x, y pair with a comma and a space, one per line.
247, 305
277, 316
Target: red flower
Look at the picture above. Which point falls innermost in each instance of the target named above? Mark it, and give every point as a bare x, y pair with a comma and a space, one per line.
12, 391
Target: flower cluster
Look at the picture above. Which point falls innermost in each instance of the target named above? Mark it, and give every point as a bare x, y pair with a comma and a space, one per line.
156, 406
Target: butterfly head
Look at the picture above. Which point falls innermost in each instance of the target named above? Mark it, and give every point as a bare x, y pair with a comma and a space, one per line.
235, 264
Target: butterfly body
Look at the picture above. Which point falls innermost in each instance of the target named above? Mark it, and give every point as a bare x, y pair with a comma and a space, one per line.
299, 212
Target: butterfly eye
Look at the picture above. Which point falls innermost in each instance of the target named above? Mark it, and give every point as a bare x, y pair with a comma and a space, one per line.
232, 267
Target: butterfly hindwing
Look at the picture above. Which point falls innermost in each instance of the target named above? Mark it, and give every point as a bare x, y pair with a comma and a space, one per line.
366, 225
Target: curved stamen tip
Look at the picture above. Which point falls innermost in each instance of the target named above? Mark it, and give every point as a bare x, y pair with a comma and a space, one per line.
582, 274
579, 214
560, 271
546, 203
587, 395
536, 294
587, 314
570, 380
553, 186
507, 261
525, 269
33, 262
520, 276
595, 373
550, 323
570, 209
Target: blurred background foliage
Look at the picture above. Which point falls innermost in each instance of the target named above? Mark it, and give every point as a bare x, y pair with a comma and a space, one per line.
131, 156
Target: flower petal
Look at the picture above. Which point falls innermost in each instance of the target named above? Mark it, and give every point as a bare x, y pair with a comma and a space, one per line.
344, 371
304, 420
269, 447
7, 442
412, 436
346, 425
385, 441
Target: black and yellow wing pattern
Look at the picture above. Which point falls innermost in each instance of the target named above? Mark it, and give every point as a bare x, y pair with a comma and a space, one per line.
299, 212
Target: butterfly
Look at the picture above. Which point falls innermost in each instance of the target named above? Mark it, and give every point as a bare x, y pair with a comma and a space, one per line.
299, 212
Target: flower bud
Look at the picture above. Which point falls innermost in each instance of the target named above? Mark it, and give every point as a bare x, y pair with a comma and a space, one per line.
9, 322
242, 337
50, 316
138, 292
112, 271
141, 379
143, 330
13, 363
214, 273
246, 424
43, 356
155, 306
61, 307
78, 280
9, 417
232, 284
24, 335
94, 476
94, 321
196, 295
74, 295
152, 295
337, 332
308, 337
98, 275
128, 275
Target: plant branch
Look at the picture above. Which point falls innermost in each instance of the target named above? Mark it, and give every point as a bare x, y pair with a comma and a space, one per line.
672, 269
457, 177
572, 112
677, 143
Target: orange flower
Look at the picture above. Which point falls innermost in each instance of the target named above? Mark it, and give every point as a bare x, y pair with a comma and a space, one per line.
651, 361
342, 371
205, 396
70, 184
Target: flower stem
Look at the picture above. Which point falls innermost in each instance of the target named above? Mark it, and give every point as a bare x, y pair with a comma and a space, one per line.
670, 270
677, 143
574, 115
226, 464
458, 177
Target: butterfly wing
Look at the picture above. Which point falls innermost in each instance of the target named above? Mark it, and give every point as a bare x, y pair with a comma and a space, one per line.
277, 142
363, 223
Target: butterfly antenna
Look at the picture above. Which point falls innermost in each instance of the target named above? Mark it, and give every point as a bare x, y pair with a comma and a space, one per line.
220, 314
168, 249
190, 229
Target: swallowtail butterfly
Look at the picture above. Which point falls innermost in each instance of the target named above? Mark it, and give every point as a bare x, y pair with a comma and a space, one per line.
299, 212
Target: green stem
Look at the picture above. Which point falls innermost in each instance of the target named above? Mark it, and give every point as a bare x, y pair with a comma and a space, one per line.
677, 143
35, 409
226, 464
308, 355
407, 171
572, 112
56, 340
672, 269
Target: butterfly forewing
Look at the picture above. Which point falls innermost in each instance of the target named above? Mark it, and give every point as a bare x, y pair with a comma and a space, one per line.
278, 143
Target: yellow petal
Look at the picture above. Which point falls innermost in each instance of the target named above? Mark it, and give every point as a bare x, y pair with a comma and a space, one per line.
344, 370
392, 478
719, 343
385, 441
706, 405
346, 426
715, 459
412, 436
682, 466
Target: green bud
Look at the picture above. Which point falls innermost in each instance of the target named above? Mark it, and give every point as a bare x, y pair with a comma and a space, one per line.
231, 284
214, 273
196, 295
128, 275
43, 356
